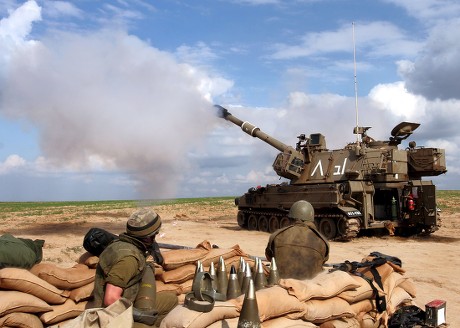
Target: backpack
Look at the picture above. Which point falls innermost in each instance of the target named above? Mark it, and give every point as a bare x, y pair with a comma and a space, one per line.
20, 252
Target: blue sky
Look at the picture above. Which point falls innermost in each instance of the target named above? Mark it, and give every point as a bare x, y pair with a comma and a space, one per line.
113, 99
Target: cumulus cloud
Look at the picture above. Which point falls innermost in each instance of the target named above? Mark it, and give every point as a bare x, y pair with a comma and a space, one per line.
395, 98
335, 117
15, 28
378, 38
434, 74
12, 162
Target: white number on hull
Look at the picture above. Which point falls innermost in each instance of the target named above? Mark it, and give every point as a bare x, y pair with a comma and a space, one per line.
339, 169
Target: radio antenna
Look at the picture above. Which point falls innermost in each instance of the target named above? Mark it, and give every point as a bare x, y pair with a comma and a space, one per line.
356, 83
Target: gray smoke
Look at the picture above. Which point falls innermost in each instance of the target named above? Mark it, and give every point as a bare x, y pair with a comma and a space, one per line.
109, 101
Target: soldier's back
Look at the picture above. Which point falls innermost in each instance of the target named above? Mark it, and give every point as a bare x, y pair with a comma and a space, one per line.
299, 251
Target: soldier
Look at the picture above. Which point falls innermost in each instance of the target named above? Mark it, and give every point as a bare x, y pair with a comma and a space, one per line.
300, 249
122, 264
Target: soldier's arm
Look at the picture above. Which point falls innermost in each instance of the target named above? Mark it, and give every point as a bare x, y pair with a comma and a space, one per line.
112, 294
118, 278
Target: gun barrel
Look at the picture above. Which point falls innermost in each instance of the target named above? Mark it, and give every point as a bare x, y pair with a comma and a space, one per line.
251, 129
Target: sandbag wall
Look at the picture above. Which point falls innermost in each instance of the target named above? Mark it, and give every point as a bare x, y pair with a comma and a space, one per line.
180, 265
334, 299
44, 295
48, 295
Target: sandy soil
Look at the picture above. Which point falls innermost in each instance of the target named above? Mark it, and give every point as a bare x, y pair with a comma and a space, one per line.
432, 262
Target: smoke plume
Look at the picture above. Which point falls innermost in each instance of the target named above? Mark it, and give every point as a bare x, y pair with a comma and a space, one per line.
107, 101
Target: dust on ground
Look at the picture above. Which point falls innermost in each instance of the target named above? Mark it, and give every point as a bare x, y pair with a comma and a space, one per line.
431, 261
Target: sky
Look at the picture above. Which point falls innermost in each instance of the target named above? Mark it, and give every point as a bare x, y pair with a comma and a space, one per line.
103, 100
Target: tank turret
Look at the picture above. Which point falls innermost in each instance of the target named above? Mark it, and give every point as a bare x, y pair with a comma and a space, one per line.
368, 184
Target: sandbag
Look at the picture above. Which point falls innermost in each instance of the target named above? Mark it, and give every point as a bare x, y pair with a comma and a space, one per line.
64, 278
319, 311
324, 285
398, 298
161, 286
62, 312
82, 293
385, 265
275, 302
25, 281
179, 275
283, 322
225, 323
21, 320
89, 260
158, 270
205, 244
186, 286
280, 322
20, 252
14, 301
216, 253
393, 281
341, 323
182, 317
364, 291
363, 306
179, 257
409, 286
368, 321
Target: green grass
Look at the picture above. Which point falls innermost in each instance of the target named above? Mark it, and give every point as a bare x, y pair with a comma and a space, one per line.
49, 208
60, 206
448, 200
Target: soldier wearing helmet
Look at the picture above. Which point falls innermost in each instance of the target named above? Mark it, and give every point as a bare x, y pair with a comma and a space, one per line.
300, 250
122, 265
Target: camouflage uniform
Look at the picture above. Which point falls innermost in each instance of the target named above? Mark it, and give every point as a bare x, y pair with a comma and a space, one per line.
300, 250
123, 263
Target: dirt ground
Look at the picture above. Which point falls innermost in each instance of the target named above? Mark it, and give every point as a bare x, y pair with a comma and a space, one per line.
432, 262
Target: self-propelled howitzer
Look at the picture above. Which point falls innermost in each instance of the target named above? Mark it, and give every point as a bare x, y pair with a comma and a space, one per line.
368, 184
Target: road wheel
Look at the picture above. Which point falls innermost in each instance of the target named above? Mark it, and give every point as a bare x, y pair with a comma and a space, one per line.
263, 223
273, 224
284, 222
241, 219
252, 222
328, 228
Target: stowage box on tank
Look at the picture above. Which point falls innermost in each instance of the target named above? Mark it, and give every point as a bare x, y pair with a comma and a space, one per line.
368, 184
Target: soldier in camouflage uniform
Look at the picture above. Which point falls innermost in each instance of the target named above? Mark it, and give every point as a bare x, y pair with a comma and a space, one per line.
300, 250
122, 264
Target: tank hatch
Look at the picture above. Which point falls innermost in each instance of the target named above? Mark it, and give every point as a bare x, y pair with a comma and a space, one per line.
402, 131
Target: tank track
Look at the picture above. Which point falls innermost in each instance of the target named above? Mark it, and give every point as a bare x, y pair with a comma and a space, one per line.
352, 227
335, 226
346, 228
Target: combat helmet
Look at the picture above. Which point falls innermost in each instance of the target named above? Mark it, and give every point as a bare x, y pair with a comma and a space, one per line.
302, 210
143, 223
